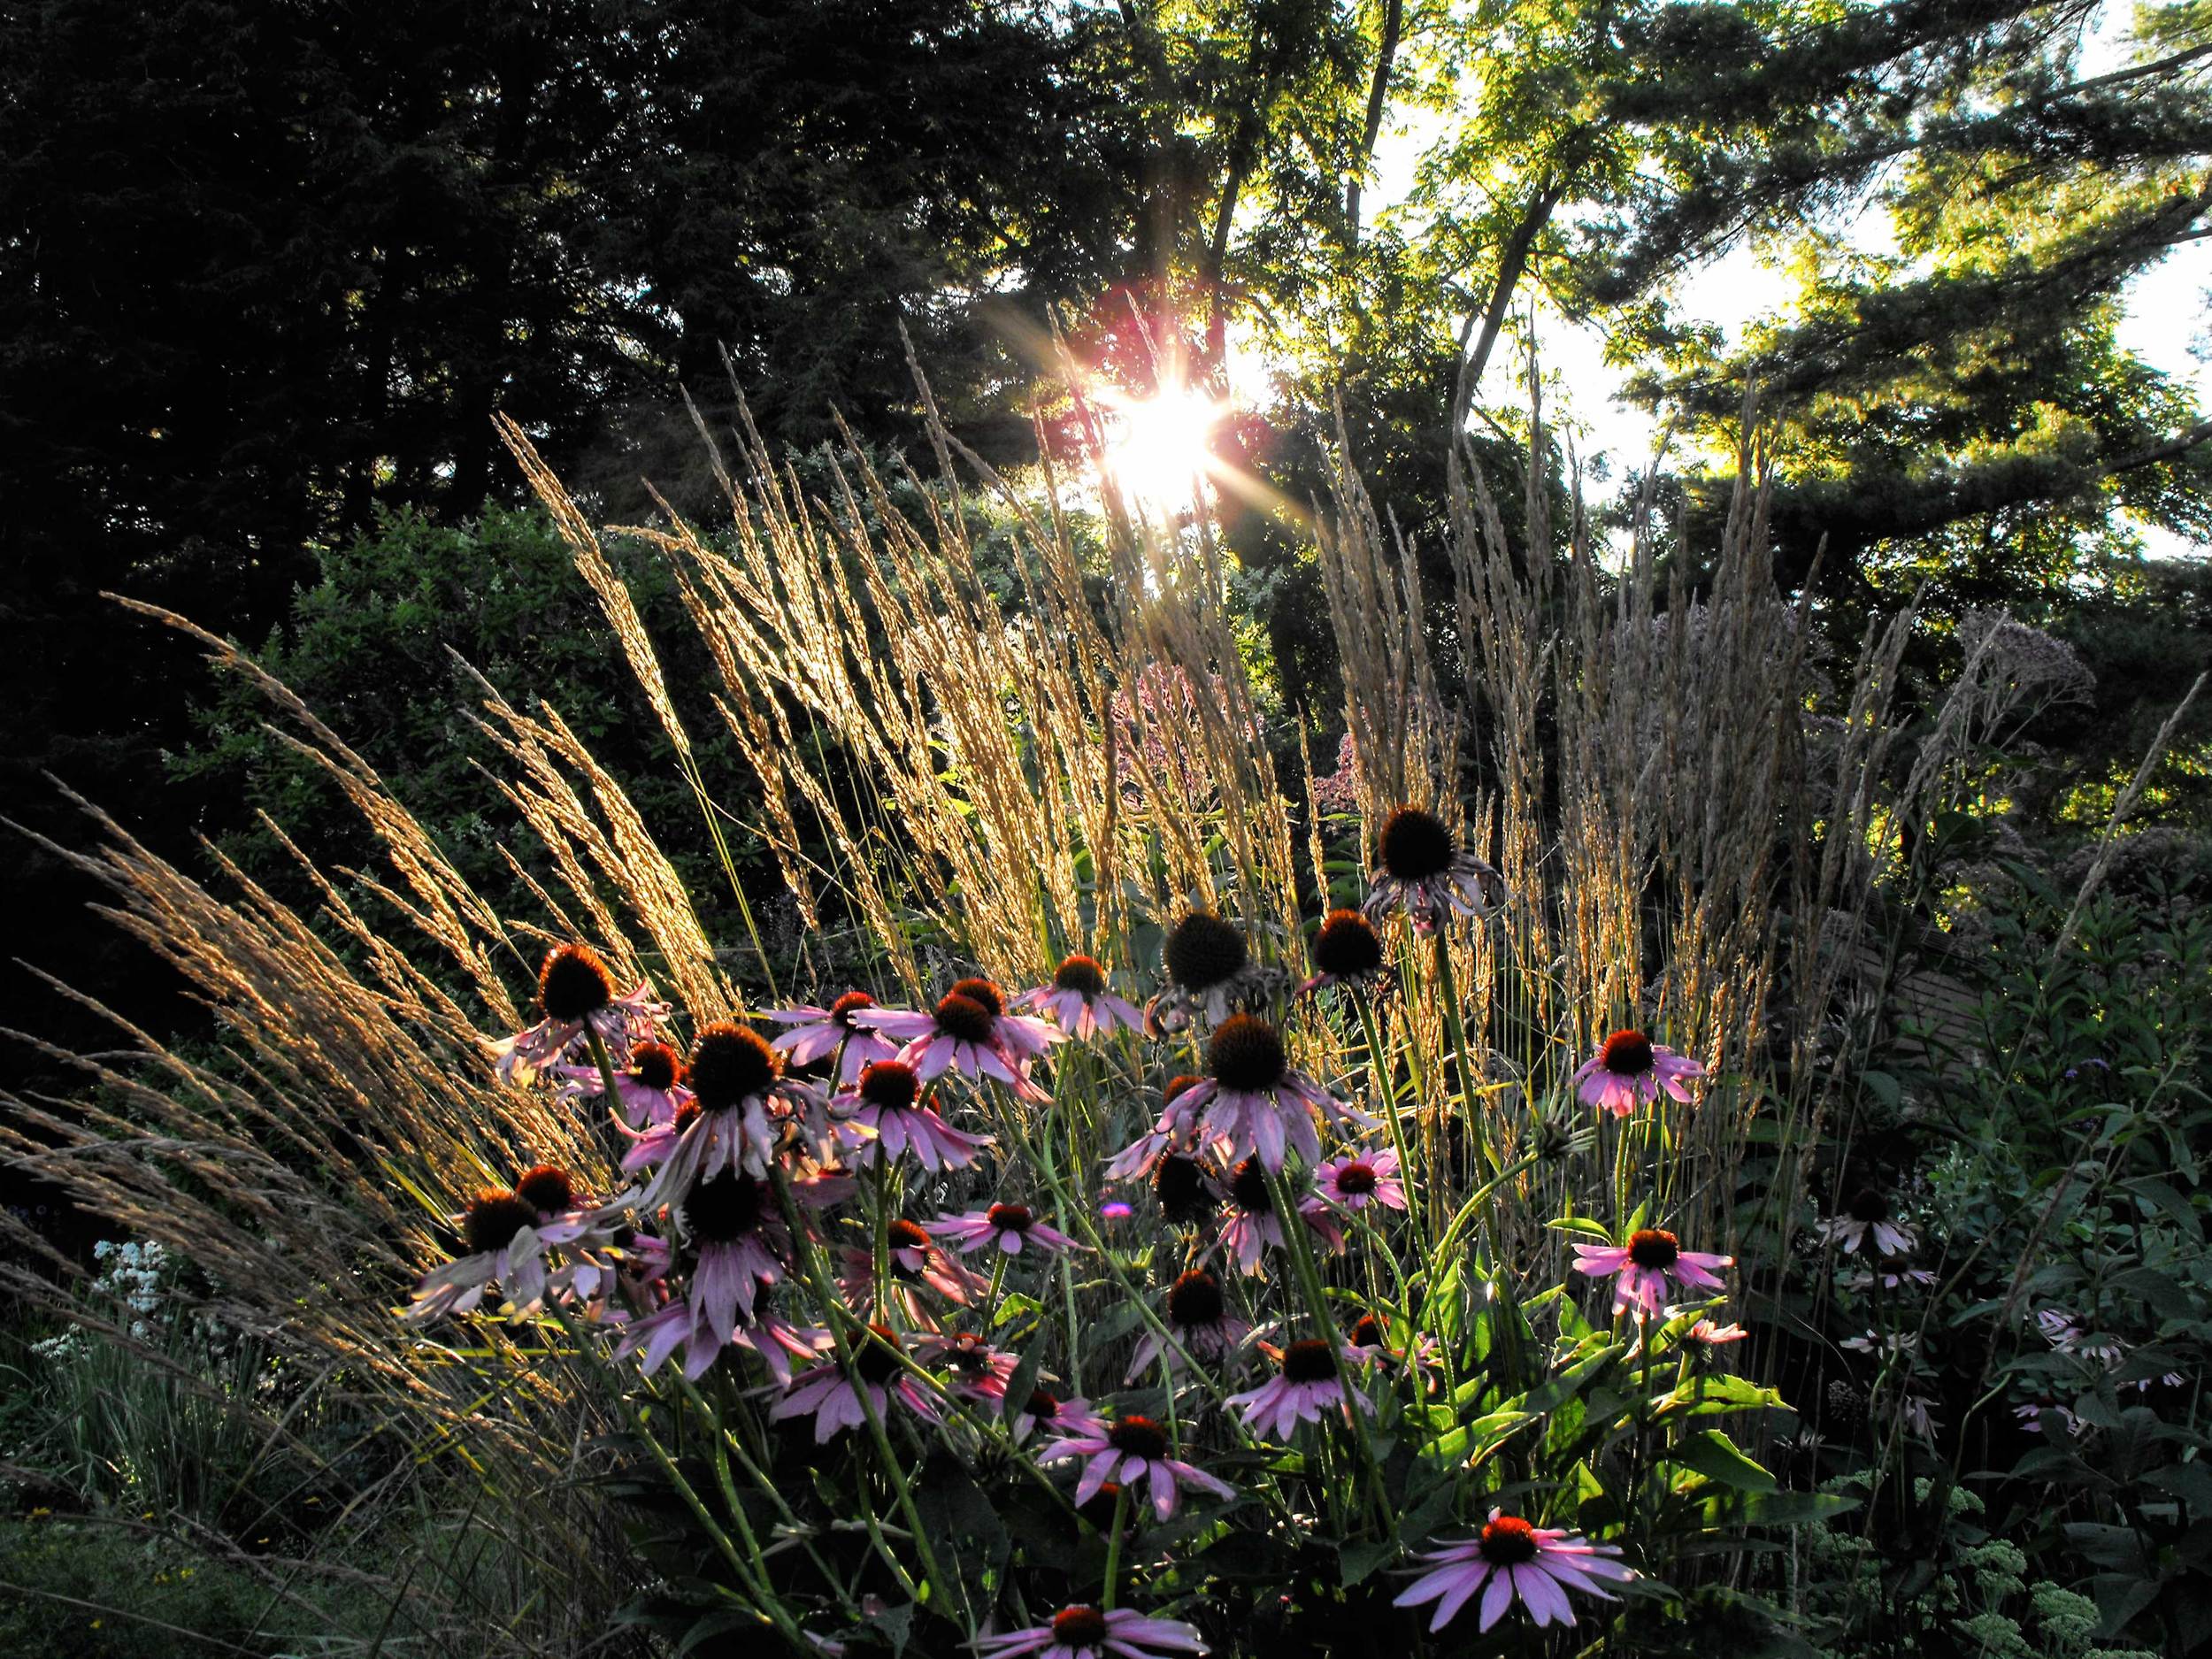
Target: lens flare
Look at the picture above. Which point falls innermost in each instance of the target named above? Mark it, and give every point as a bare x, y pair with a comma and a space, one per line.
1160, 449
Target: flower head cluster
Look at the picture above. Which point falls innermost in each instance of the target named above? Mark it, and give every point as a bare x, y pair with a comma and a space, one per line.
1629, 1070
1420, 868
1512, 1561
1644, 1269
1210, 974
576, 996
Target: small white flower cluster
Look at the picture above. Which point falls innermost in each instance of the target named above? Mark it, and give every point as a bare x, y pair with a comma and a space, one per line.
133, 1277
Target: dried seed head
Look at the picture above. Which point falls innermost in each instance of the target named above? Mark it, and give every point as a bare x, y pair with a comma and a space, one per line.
1347, 946
1204, 950
1415, 845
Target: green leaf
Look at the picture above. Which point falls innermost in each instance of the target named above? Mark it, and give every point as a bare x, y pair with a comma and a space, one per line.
1359, 1561
1713, 1454
1791, 1509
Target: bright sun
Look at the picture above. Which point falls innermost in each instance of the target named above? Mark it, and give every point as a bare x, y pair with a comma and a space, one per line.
1159, 448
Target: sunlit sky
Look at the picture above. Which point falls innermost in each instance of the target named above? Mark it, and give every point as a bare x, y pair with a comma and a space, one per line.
2168, 322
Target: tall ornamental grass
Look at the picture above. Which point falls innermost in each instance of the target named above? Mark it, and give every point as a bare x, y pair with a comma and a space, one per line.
1174, 1196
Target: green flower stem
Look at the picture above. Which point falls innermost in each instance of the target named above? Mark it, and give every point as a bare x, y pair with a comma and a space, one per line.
1447, 993
1113, 1550
1385, 1088
606, 1067
741, 1561
1308, 1275
810, 1266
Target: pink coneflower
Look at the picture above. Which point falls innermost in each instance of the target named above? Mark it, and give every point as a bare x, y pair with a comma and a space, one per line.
918, 1262
1868, 1215
1199, 1319
576, 995
1084, 1632
649, 1090
1421, 868
969, 1032
682, 1322
744, 1102
1346, 951
1643, 1267
1510, 1560
887, 1116
1177, 1131
1247, 1234
1354, 1183
2064, 1332
1883, 1344
739, 1240
828, 1396
1890, 1272
817, 1032
1629, 1070
1254, 1102
1078, 1001
504, 1240
1048, 1413
1011, 1227
979, 1372
1134, 1449
1209, 971
1310, 1381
